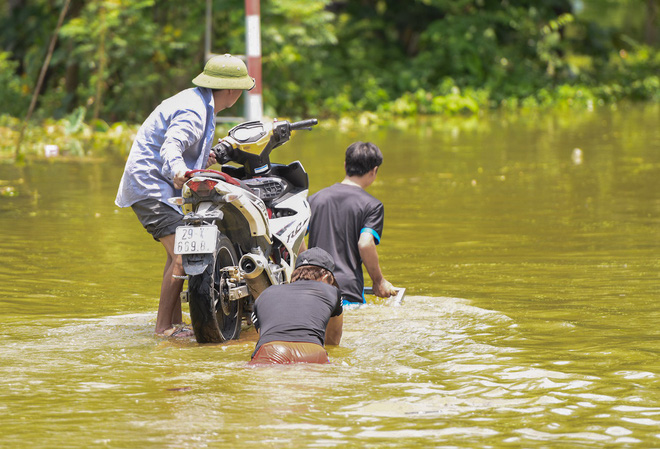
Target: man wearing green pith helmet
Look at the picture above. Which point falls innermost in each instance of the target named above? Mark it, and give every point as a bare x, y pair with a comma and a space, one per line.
175, 138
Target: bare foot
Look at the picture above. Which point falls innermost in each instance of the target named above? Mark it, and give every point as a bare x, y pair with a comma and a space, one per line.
178, 332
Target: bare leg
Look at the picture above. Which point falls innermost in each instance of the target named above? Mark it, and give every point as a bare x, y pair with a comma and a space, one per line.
177, 315
169, 307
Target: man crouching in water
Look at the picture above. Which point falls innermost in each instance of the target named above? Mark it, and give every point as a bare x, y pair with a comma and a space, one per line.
295, 320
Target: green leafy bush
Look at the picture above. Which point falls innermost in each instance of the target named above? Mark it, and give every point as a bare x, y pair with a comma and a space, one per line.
118, 60
14, 93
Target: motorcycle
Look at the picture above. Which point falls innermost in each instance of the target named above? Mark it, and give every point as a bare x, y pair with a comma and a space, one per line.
242, 227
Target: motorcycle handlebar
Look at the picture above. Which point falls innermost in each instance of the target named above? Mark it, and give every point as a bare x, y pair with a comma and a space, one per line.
305, 124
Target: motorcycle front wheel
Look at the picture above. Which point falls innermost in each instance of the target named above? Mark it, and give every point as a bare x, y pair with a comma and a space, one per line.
215, 318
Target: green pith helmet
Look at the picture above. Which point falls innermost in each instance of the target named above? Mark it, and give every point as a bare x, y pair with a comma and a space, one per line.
224, 72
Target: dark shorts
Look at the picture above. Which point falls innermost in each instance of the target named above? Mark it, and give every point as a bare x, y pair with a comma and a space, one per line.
158, 218
284, 352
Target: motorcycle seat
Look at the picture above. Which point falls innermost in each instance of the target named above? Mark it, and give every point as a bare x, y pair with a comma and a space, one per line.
267, 188
214, 174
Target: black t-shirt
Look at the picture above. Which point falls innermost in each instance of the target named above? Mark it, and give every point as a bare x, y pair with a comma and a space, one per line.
299, 311
340, 213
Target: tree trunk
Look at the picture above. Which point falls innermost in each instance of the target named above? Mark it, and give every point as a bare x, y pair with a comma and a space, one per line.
71, 80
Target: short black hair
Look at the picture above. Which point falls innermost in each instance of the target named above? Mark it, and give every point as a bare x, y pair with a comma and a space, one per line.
362, 157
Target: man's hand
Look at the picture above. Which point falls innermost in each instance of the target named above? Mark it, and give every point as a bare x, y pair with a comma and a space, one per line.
180, 179
211, 160
384, 289
223, 152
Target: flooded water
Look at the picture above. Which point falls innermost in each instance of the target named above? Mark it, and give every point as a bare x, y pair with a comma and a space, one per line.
531, 320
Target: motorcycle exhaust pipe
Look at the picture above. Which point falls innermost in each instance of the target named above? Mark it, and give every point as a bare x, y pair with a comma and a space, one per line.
254, 269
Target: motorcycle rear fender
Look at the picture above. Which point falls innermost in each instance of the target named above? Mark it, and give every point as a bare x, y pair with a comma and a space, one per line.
195, 264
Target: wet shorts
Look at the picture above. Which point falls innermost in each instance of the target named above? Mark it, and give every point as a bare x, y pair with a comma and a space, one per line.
283, 352
158, 218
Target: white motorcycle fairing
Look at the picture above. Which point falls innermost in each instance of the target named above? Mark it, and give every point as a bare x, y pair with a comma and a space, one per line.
291, 230
251, 206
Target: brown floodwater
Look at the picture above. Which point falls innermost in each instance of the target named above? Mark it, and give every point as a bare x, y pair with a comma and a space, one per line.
529, 246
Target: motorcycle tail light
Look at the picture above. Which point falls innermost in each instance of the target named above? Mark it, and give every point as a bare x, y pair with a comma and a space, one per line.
202, 188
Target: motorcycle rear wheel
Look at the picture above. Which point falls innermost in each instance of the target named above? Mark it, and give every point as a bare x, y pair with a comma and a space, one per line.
215, 318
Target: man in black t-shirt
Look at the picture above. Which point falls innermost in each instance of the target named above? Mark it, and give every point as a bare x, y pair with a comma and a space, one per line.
348, 223
296, 320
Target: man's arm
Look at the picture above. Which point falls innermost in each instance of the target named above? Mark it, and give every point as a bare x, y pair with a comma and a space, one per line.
334, 330
369, 254
184, 131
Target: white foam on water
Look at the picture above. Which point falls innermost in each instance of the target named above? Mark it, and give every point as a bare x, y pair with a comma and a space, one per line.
428, 359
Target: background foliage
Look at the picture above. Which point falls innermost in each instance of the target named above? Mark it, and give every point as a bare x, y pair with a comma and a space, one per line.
116, 59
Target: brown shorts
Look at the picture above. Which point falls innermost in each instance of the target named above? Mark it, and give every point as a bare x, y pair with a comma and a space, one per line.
283, 352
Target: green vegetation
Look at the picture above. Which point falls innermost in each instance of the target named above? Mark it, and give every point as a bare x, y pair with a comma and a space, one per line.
72, 136
116, 59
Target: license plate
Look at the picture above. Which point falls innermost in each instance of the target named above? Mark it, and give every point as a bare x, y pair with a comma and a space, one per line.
195, 239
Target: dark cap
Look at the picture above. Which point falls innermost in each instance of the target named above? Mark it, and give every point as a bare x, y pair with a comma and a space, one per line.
317, 257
